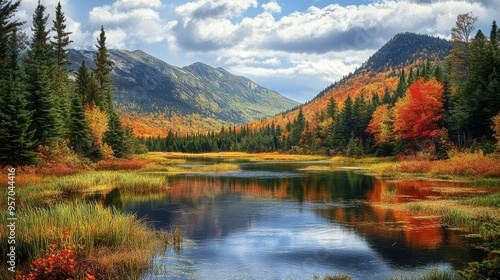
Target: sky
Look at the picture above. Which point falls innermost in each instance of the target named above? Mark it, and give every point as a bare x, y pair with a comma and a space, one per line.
296, 47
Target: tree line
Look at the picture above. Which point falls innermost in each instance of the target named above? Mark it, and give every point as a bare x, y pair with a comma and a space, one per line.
41, 108
434, 106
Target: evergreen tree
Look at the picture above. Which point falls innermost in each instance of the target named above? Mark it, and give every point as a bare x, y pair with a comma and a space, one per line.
79, 134
15, 134
494, 40
61, 39
343, 127
7, 26
86, 86
39, 67
114, 137
60, 83
297, 129
102, 71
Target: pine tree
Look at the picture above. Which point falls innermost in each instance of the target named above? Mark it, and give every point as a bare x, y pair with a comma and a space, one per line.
79, 134
39, 65
114, 137
61, 39
60, 83
102, 71
87, 87
494, 40
7, 26
15, 134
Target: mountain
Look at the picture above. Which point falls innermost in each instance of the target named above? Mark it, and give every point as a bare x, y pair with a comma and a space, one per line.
155, 97
379, 74
405, 49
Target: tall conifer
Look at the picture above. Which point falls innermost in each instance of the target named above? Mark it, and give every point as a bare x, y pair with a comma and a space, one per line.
39, 65
17, 146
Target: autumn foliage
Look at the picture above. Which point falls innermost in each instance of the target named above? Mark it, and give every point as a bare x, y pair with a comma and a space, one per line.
380, 125
418, 113
59, 262
98, 122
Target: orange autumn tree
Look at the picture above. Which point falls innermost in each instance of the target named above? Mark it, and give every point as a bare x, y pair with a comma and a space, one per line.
381, 125
416, 115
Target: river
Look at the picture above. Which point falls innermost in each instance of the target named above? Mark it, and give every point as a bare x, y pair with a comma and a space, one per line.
279, 221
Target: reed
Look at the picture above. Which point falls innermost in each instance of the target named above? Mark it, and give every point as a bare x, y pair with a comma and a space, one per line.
432, 274
492, 200
113, 242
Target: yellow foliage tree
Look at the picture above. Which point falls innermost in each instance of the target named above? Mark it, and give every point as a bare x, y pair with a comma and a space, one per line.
496, 128
97, 120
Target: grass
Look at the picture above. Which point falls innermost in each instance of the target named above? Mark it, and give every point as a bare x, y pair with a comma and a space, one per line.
48, 192
112, 242
476, 167
492, 200
455, 213
218, 167
242, 156
432, 274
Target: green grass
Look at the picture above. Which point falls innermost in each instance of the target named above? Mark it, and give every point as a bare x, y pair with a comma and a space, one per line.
219, 167
48, 192
492, 200
432, 274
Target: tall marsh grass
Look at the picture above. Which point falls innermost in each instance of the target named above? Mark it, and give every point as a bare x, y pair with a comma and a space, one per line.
460, 165
113, 242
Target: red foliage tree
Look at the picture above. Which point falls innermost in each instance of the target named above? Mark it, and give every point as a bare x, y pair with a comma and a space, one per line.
418, 113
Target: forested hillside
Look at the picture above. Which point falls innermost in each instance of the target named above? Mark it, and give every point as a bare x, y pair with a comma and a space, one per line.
45, 117
417, 93
154, 97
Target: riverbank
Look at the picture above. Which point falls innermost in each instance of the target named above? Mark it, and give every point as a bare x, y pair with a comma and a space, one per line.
60, 232
475, 168
52, 205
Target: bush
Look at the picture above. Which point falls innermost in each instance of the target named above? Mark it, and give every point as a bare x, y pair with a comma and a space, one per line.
490, 267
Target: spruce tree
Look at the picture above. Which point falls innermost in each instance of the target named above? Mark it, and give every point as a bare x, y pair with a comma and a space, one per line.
39, 65
60, 83
115, 136
79, 133
7, 26
103, 67
15, 135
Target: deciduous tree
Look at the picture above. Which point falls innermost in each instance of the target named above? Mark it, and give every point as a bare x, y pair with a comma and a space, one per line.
418, 113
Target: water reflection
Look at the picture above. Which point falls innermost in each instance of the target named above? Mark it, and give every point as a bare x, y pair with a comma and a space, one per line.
288, 223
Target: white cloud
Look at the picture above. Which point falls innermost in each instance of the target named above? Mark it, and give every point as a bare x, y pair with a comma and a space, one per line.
79, 35
138, 21
322, 44
272, 7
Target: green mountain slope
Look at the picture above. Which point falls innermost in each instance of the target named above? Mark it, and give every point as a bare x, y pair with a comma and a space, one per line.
147, 87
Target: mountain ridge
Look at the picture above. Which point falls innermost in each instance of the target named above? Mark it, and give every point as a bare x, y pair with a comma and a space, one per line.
148, 88
376, 76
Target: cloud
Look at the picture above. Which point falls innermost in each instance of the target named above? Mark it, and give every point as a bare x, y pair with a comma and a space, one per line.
272, 7
79, 36
322, 44
130, 23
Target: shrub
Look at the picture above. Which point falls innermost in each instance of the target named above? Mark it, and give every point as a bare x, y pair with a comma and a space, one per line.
59, 262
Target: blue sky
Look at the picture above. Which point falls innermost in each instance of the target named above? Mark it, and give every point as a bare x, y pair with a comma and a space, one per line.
292, 46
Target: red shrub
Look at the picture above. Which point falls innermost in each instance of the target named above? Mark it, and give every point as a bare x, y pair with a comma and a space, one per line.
59, 262
120, 164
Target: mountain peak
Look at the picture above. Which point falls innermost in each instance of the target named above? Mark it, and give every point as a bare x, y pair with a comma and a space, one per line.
149, 88
406, 48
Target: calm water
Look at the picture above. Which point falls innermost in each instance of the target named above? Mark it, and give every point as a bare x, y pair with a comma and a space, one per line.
275, 221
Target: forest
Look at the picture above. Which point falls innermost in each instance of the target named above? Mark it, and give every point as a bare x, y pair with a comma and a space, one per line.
46, 112
436, 105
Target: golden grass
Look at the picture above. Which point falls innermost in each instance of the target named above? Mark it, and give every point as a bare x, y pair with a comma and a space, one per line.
454, 213
219, 167
462, 167
116, 245
241, 156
